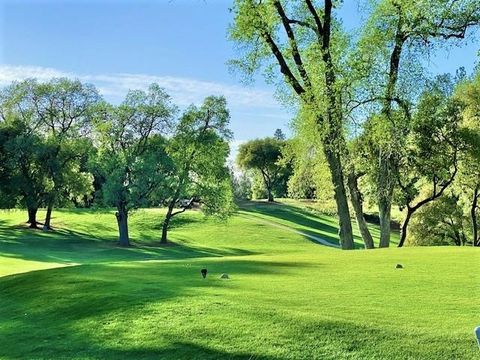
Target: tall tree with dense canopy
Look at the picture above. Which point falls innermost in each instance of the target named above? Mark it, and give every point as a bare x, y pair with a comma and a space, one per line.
198, 152
23, 177
431, 158
396, 33
132, 156
306, 44
64, 110
58, 113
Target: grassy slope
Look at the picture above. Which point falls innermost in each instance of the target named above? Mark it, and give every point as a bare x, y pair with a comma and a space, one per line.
287, 297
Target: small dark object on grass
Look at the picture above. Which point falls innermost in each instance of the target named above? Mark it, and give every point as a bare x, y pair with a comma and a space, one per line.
399, 266
224, 276
204, 273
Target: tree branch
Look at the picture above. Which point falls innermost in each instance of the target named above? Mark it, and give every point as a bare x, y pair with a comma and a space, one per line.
293, 43
284, 68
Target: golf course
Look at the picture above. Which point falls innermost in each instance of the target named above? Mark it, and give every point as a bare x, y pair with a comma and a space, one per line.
74, 293
240, 179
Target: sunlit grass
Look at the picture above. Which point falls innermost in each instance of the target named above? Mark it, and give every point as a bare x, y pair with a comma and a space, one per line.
288, 297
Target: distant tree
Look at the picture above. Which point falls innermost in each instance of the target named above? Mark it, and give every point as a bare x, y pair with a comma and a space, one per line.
279, 135
198, 152
242, 186
132, 157
263, 156
441, 222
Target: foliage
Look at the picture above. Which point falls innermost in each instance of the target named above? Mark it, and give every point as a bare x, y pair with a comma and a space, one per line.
242, 186
58, 113
133, 156
264, 157
310, 177
24, 178
441, 222
198, 152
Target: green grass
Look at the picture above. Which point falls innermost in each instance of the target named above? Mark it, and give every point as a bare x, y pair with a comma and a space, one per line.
288, 297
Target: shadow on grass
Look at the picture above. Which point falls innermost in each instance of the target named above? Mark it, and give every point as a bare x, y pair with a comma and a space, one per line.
297, 219
181, 350
72, 309
133, 311
72, 246
307, 221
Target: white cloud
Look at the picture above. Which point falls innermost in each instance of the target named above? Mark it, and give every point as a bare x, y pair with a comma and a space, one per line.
184, 91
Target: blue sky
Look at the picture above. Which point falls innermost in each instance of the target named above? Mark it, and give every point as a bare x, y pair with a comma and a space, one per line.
182, 44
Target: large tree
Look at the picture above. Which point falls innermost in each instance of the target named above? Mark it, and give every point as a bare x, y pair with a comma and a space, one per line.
306, 44
58, 114
132, 156
430, 160
23, 149
198, 152
63, 110
468, 93
396, 34
23, 177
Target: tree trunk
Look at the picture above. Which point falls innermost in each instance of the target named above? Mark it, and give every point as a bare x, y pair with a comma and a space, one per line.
385, 193
32, 217
122, 221
357, 203
270, 196
473, 215
48, 217
403, 230
166, 222
384, 214
345, 224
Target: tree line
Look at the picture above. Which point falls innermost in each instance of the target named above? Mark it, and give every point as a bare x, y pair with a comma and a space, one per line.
61, 143
367, 110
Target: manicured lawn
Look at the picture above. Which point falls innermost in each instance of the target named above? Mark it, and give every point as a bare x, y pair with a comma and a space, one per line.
288, 297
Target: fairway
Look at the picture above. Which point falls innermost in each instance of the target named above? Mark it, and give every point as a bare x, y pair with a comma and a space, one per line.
73, 293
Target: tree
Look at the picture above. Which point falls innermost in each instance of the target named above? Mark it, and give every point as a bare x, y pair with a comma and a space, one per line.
279, 135
307, 47
468, 93
263, 156
24, 178
431, 158
63, 112
398, 30
132, 157
58, 114
311, 177
198, 153
440, 223
22, 150
242, 186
